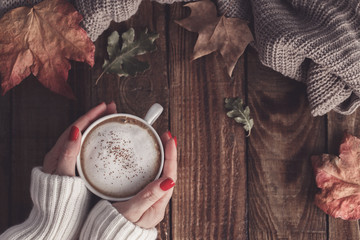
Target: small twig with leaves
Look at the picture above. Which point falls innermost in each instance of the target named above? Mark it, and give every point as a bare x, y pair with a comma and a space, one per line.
240, 115
122, 61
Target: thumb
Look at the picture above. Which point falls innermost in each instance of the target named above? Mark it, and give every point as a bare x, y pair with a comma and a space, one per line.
146, 198
68, 155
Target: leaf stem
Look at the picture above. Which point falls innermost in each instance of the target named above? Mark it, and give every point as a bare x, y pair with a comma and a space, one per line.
97, 80
127, 52
106, 69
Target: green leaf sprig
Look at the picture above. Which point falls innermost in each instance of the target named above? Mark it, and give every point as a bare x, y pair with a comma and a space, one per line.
240, 115
122, 61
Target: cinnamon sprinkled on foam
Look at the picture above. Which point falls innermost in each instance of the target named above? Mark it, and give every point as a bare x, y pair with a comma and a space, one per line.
120, 154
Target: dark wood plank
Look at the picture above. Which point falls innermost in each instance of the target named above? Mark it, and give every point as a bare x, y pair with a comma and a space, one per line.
210, 197
132, 95
5, 159
346, 230
337, 125
281, 183
39, 117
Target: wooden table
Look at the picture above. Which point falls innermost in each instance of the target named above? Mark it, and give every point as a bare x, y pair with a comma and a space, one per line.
229, 186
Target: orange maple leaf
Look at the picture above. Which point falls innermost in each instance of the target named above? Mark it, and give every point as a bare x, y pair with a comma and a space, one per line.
41, 40
229, 36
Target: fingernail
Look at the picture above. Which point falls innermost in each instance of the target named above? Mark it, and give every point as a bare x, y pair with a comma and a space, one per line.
175, 140
169, 134
74, 133
167, 184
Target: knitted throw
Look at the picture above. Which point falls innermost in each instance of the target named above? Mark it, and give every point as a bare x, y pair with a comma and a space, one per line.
313, 41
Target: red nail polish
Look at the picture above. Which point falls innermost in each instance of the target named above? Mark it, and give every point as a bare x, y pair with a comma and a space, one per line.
167, 184
169, 134
74, 133
175, 140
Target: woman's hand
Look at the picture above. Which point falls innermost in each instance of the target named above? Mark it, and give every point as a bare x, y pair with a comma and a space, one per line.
61, 159
147, 208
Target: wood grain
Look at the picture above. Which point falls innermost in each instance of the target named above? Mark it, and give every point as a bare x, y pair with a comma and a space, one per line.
5, 160
229, 186
132, 95
337, 125
281, 185
209, 200
39, 117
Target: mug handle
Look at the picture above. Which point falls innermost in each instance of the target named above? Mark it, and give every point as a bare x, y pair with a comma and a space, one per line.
153, 113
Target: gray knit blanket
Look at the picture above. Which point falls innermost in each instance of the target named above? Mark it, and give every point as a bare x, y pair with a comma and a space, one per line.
316, 42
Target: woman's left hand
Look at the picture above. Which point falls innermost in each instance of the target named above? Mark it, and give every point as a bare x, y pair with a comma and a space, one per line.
61, 159
147, 208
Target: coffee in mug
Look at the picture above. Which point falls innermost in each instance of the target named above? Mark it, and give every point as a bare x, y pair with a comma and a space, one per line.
120, 155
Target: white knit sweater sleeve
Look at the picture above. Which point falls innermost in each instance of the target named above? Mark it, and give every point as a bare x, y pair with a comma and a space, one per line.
60, 208
105, 222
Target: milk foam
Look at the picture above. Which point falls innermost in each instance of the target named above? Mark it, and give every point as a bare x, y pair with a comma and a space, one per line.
119, 159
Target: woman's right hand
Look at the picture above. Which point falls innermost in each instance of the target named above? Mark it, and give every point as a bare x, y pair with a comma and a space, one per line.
147, 208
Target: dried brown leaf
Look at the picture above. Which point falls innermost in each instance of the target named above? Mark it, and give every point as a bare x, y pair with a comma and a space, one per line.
41, 40
229, 36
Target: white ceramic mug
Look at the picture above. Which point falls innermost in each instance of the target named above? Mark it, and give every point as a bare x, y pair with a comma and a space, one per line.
151, 116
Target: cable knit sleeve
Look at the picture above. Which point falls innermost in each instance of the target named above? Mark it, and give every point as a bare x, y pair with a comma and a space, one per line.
105, 222
60, 208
